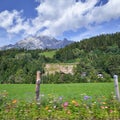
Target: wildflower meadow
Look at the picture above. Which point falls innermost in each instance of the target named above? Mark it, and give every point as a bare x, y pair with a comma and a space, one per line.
58, 106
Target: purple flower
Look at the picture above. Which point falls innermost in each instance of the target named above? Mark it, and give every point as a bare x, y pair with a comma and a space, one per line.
86, 97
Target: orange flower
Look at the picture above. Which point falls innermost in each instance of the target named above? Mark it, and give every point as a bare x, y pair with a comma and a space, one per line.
68, 112
14, 101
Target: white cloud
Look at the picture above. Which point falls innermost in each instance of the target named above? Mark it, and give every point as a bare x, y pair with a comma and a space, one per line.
7, 18
58, 16
109, 11
69, 15
11, 21
64, 15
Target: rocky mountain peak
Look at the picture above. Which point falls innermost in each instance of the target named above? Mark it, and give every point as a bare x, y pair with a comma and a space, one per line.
39, 42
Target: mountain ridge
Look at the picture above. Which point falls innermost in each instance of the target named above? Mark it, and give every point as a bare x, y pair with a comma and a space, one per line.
38, 42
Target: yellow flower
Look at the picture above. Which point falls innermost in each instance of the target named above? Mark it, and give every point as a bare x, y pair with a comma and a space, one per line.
103, 103
49, 95
106, 107
46, 107
73, 101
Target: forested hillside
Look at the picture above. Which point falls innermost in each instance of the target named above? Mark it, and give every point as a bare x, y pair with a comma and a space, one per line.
97, 58
109, 43
97, 55
20, 66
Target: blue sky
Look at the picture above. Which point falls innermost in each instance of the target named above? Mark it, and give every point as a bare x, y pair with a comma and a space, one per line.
72, 19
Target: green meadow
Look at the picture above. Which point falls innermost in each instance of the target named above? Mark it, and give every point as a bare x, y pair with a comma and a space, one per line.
67, 91
49, 54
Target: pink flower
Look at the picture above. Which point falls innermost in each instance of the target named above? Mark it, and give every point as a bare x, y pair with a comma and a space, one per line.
111, 111
65, 104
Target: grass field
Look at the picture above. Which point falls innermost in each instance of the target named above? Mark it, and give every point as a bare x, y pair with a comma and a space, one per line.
49, 54
67, 91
